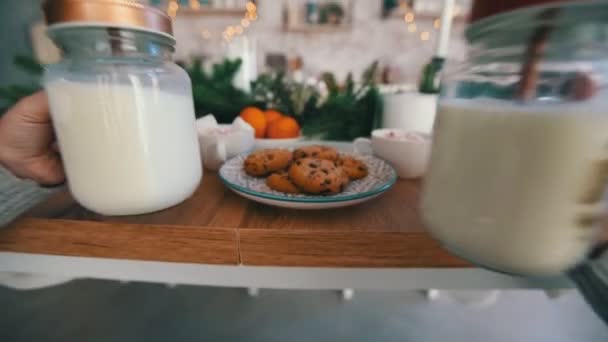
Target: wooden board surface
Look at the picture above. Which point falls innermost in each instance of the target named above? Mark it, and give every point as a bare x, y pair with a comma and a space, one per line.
216, 226
121, 241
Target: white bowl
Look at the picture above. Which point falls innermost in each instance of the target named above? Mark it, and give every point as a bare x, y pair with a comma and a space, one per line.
276, 143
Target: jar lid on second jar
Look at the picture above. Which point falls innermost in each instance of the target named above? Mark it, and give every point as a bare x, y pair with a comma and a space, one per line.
484, 8
127, 14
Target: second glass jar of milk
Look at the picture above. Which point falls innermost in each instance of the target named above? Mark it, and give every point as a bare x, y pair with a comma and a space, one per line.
122, 111
520, 155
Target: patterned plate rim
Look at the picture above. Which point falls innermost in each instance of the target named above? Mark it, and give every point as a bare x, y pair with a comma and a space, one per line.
316, 199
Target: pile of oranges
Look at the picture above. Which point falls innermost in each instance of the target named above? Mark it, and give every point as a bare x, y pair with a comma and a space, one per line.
271, 123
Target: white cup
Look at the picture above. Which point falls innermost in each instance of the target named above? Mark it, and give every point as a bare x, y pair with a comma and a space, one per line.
410, 111
222, 142
407, 151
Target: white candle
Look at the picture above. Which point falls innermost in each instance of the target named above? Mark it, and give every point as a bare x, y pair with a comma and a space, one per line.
240, 48
446, 26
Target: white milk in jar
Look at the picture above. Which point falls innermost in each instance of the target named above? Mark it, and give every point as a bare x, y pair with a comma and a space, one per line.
517, 187
122, 111
519, 161
126, 149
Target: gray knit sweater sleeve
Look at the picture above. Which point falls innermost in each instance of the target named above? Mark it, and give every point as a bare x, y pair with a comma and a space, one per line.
18, 195
592, 280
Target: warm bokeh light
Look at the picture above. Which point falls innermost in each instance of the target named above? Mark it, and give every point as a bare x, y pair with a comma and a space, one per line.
249, 16
252, 16
195, 5
425, 35
412, 27
250, 7
409, 17
457, 10
172, 8
437, 23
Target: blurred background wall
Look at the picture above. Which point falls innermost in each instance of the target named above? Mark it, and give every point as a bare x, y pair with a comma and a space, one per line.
366, 37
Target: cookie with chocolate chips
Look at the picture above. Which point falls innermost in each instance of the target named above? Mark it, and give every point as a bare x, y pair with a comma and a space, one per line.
280, 181
354, 168
318, 176
263, 162
316, 151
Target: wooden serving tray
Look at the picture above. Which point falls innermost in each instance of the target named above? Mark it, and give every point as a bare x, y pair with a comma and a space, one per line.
216, 226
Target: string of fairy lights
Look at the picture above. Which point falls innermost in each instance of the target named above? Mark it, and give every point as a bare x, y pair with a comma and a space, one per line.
410, 19
230, 31
250, 15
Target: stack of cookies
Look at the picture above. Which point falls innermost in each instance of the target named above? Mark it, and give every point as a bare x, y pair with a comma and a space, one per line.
316, 169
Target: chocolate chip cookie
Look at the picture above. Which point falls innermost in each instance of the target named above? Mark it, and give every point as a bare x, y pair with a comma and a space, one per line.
354, 168
262, 162
316, 151
280, 181
318, 176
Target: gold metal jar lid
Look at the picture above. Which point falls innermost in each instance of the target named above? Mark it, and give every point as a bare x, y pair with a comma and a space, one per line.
109, 13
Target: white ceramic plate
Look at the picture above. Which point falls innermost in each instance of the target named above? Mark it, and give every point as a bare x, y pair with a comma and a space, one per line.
381, 177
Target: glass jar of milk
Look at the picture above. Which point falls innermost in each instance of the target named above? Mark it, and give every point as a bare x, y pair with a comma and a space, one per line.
520, 150
122, 111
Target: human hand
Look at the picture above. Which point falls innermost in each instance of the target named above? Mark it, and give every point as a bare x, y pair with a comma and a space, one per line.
27, 141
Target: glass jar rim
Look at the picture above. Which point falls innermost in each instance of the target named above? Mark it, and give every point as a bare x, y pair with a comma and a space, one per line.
528, 18
55, 28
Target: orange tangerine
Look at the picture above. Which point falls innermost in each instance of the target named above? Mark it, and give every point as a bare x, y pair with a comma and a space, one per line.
283, 128
256, 118
272, 115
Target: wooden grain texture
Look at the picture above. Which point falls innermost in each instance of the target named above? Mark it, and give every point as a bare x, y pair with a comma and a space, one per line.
263, 247
121, 241
394, 211
217, 226
212, 204
216, 206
